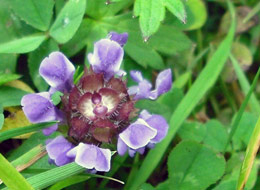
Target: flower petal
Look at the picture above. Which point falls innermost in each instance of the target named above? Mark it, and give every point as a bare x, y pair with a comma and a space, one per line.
57, 71
107, 57
145, 114
119, 38
38, 107
144, 90
121, 147
110, 99
78, 128
91, 156
92, 83
103, 160
86, 106
163, 83
138, 134
160, 124
48, 131
136, 76
57, 150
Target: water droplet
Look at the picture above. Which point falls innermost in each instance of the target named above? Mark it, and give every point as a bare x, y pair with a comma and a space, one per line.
66, 21
146, 39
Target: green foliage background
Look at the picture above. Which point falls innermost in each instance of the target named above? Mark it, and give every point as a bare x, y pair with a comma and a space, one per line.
212, 47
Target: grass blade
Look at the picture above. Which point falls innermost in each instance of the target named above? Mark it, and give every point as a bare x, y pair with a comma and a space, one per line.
254, 104
22, 130
250, 155
205, 81
252, 13
29, 158
242, 107
11, 177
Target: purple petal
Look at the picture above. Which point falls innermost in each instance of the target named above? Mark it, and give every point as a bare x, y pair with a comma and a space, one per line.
38, 107
141, 150
106, 58
57, 150
138, 134
136, 76
144, 90
133, 90
103, 159
160, 124
57, 71
131, 152
163, 83
91, 156
48, 131
119, 38
144, 115
121, 147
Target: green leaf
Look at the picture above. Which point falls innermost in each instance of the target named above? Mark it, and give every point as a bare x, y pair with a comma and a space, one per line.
67, 182
146, 54
147, 186
22, 130
204, 82
169, 42
164, 185
29, 157
176, 7
2, 117
56, 97
213, 133
99, 8
196, 16
12, 178
52, 176
244, 130
137, 7
79, 40
10, 96
22, 45
68, 20
37, 13
250, 155
202, 167
192, 131
151, 14
4, 78
8, 62
35, 59
216, 135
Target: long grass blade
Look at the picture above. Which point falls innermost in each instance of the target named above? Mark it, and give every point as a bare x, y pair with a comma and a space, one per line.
253, 102
22, 130
11, 177
250, 155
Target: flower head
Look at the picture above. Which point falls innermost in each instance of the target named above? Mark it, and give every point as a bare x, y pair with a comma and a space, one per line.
98, 109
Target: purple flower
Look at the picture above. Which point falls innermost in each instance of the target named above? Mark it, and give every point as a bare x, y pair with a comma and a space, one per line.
143, 89
121, 39
91, 157
57, 150
99, 109
108, 55
39, 108
58, 72
146, 131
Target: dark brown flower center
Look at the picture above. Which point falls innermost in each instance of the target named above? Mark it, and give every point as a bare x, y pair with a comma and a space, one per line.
97, 110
